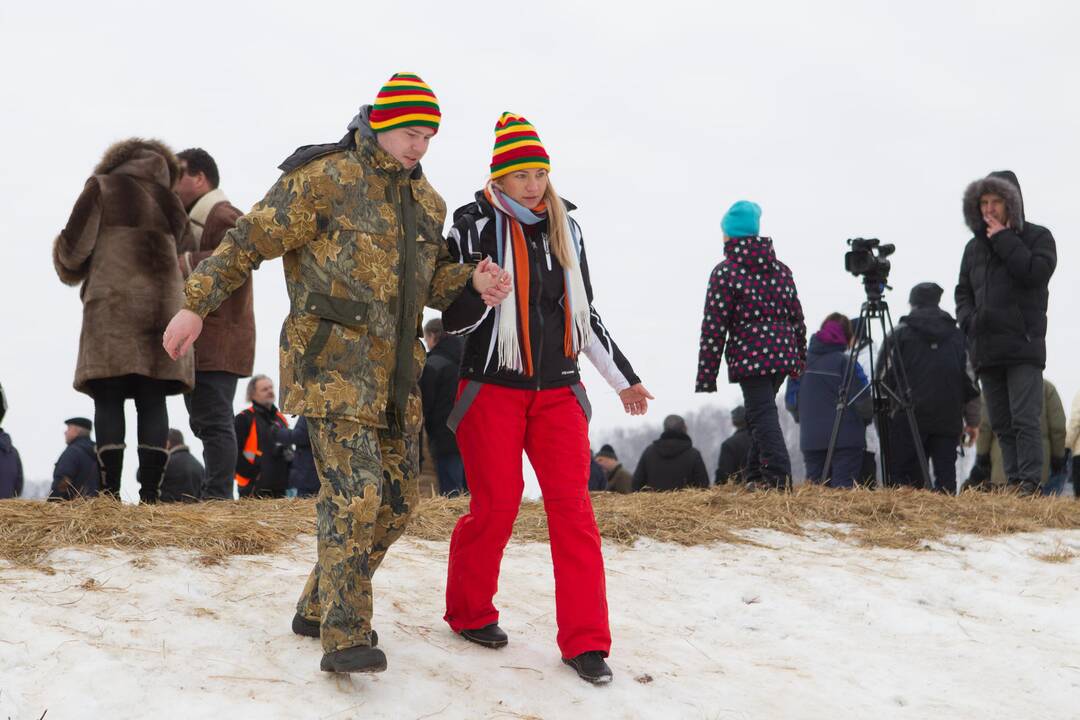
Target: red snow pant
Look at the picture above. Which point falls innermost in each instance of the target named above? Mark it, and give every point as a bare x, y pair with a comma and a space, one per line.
550, 426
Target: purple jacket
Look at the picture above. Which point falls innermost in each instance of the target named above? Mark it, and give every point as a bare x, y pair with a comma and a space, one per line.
752, 307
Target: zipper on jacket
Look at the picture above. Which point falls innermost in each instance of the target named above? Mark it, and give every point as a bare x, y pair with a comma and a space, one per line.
539, 313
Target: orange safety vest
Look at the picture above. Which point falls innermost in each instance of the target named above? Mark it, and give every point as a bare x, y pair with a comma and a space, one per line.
251, 445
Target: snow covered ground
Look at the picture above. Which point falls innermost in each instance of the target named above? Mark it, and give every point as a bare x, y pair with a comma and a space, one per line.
802, 628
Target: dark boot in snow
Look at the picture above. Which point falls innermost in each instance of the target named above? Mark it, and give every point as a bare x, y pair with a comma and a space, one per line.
491, 636
152, 462
111, 461
310, 628
590, 667
354, 660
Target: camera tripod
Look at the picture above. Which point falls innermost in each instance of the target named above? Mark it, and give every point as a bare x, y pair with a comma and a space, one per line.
884, 397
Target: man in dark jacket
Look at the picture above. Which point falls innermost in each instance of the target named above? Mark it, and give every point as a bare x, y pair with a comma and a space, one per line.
303, 476
184, 475
672, 462
438, 390
11, 471
731, 467
1001, 300
225, 352
265, 451
932, 350
616, 477
77, 472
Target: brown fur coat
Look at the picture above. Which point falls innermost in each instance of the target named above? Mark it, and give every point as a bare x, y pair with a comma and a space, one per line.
121, 244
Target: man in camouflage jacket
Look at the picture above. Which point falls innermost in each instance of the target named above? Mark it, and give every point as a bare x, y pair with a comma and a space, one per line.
360, 232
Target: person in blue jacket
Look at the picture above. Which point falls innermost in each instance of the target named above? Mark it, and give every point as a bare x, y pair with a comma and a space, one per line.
812, 400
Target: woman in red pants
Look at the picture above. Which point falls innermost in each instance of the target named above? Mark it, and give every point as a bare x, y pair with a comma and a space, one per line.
521, 391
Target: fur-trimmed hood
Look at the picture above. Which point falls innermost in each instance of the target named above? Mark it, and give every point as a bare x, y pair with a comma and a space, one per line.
145, 158
1002, 183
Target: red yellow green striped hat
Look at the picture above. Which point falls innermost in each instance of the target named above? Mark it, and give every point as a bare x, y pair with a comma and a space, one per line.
517, 146
405, 100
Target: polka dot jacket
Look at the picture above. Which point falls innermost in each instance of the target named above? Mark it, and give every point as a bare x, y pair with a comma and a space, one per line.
752, 308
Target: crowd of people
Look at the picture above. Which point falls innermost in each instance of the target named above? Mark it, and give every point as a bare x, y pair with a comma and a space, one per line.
360, 230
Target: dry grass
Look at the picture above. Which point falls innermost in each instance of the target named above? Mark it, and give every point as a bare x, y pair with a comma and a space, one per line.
895, 519
1060, 554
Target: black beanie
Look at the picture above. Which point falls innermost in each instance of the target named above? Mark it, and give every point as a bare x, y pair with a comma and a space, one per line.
926, 295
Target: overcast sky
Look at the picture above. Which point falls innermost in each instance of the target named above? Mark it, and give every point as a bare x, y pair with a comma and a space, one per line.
841, 119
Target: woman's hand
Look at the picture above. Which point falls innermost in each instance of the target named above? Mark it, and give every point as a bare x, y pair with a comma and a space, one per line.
491, 281
183, 330
635, 399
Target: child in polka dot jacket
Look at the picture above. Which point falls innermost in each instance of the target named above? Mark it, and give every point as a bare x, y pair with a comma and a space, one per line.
752, 308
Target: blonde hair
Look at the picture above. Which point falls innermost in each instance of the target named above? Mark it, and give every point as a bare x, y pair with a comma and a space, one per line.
558, 224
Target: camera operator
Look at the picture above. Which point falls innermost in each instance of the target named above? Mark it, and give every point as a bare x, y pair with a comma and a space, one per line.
262, 466
931, 348
1001, 301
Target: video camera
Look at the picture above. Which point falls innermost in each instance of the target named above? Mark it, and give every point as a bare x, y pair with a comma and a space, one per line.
867, 259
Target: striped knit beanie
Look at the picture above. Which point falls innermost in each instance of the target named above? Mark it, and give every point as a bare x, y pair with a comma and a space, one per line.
517, 146
405, 100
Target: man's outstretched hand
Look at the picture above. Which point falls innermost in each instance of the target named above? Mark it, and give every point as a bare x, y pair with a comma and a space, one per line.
491, 281
183, 330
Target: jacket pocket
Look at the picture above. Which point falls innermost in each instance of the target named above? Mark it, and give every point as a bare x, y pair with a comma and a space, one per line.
332, 311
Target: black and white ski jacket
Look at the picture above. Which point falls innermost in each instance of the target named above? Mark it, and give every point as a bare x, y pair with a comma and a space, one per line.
471, 239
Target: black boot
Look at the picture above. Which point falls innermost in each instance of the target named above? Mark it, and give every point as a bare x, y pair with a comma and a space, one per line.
111, 462
590, 667
310, 628
491, 636
354, 659
152, 461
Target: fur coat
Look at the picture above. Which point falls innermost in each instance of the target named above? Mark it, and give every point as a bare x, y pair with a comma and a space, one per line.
120, 244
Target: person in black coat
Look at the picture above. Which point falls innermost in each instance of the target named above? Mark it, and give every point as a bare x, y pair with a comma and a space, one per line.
932, 350
77, 472
11, 470
672, 462
731, 466
303, 477
438, 390
262, 437
1001, 301
184, 475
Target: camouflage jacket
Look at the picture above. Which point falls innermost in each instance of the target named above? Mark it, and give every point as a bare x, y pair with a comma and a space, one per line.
363, 254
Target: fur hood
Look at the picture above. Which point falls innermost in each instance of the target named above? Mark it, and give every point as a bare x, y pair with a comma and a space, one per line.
139, 154
1003, 183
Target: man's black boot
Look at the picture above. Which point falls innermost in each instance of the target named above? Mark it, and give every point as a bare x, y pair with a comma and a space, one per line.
360, 659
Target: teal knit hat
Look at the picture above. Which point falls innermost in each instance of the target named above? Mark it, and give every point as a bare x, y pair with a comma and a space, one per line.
742, 220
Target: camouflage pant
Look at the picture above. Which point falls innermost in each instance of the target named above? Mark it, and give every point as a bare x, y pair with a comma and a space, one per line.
368, 489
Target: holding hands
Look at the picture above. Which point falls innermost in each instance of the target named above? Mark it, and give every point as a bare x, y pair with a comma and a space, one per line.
492, 282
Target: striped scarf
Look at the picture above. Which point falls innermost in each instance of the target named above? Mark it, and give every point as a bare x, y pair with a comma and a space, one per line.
512, 315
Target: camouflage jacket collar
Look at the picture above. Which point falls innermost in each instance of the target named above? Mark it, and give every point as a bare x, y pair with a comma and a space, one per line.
372, 155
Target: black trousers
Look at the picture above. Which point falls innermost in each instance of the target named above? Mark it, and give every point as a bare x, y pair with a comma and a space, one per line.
768, 456
110, 425
210, 413
1014, 400
940, 455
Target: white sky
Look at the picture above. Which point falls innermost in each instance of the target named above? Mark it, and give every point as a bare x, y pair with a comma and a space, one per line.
841, 119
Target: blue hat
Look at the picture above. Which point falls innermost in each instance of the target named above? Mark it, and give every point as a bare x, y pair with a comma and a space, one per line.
742, 220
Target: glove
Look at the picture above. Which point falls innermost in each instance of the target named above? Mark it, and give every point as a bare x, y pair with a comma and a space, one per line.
1057, 464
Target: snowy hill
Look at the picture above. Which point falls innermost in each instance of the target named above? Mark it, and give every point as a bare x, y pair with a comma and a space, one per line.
788, 628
